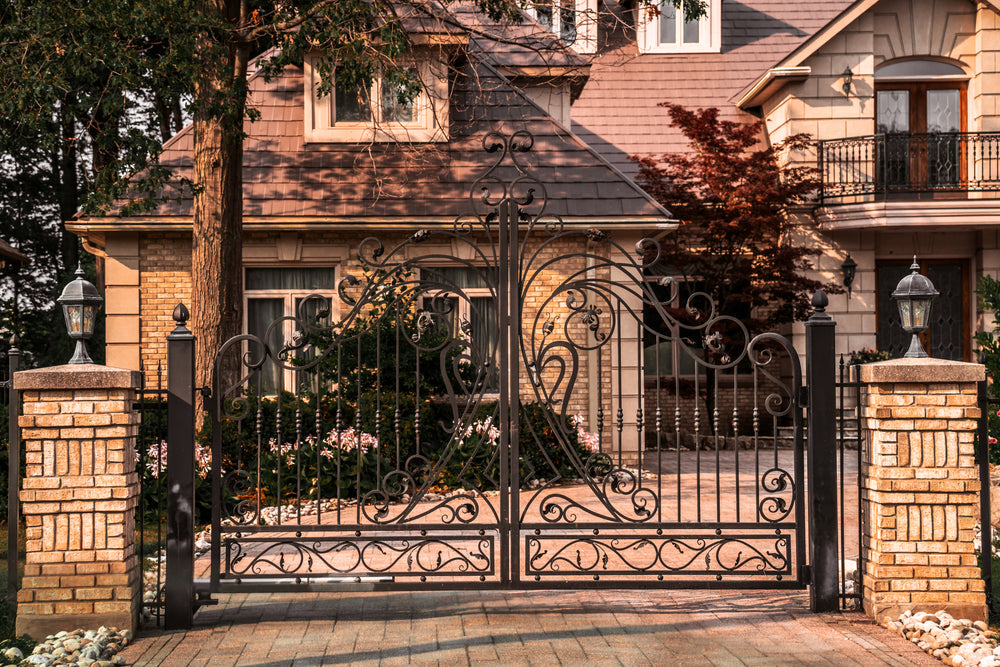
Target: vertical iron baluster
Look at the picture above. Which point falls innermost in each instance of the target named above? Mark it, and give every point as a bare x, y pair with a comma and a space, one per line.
298, 447
357, 435
278, 440
397, 423
841, 481
318, 435
621, 412
697, 441
718, 461
659, 432
639, 422
339, 426
736, 438
756, 440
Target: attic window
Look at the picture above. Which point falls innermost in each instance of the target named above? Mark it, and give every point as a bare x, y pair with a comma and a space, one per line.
357, 114
666, 31
573, 21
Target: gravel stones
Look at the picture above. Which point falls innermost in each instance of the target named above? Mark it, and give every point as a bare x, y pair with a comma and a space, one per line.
955, 642
79, 648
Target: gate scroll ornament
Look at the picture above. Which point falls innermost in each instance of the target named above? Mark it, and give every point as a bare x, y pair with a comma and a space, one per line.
468, 366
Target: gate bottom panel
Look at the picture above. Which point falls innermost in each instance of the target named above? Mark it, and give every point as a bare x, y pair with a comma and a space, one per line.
683, 556
360, 558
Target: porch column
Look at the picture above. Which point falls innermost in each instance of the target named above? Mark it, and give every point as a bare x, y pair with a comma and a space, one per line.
78, 497
919, 488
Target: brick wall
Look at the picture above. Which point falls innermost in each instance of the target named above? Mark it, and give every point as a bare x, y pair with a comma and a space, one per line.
920, 488
78, 498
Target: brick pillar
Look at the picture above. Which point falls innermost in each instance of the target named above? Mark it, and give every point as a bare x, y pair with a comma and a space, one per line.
78, 499
919, 488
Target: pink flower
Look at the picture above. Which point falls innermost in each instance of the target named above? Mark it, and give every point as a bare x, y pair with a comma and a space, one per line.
993, 440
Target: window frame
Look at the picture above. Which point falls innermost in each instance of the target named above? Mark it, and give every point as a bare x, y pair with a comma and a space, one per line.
585, 21
430, 122
710, 32
289, 296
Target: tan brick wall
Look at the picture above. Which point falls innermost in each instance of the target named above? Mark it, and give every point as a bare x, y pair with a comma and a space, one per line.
78, 498
920, 489
165, 281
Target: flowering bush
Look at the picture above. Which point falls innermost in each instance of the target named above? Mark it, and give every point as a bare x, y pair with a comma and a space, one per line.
867, 356
988, 291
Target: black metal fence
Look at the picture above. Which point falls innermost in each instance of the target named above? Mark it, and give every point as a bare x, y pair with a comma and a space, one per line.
987, 405
10, 399
886, 164
150, 520
849, 454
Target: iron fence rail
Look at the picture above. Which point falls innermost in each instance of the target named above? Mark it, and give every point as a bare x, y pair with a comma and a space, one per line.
987, 405
11, 400
886, 164
849, 389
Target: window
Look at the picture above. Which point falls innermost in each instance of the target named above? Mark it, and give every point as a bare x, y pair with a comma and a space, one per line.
471, 312
274, 293
350, 114
921, 122
574, 21
668, 32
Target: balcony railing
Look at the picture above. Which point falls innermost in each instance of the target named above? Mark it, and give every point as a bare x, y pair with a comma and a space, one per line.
890, 164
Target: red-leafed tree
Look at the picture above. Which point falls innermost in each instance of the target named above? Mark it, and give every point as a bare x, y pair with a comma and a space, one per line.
732, 195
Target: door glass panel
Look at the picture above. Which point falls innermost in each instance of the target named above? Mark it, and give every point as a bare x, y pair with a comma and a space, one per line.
893, 111
260, 314
946, 330
943, 150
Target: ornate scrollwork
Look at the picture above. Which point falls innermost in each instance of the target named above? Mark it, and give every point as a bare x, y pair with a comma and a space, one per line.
359, 556
620, 555
777, 508
241, 494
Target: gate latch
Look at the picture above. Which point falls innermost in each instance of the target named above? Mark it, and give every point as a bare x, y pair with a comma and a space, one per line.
803, 397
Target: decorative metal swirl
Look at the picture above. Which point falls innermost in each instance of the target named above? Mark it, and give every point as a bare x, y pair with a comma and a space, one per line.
626, 555
240, 495
360, 557
777, 508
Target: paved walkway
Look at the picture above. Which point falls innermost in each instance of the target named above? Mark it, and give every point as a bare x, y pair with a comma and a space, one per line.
524, 628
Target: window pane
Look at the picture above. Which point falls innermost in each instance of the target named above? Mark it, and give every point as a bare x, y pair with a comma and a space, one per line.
485, 330
567, 22
392, 109
668, 23
352, 105
692, 32
543, 13
943, 110
260, 314
324, 278
460, 276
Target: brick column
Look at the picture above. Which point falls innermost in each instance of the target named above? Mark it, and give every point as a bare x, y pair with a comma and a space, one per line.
78, 498
919, 488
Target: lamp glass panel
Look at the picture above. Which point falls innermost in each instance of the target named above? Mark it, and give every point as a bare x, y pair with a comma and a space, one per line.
73, 312
921, 310
905, 313
89, 318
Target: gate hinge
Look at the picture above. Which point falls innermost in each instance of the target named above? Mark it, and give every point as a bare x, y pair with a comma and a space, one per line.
805, 573
803, 397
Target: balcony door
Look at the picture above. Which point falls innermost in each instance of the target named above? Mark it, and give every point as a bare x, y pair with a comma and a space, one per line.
921, 125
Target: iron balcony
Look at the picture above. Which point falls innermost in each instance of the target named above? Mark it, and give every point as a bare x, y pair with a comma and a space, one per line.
947, 164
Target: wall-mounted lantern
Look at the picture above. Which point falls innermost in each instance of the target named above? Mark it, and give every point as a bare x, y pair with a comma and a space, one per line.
913, 295
80, 302
848, 78
849, 268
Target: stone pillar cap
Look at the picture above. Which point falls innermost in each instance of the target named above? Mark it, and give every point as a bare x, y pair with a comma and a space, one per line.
77, 376
923, 370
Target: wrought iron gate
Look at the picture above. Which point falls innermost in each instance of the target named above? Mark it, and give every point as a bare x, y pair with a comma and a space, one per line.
509, 402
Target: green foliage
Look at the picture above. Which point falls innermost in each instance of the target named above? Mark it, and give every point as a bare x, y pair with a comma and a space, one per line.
988, 291
867, 356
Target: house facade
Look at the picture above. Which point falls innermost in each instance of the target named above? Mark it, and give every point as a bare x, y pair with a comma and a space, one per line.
329, 177
901, 98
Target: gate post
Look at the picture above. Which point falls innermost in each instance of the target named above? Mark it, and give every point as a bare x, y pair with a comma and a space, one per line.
179, 599
822, 456
13, 465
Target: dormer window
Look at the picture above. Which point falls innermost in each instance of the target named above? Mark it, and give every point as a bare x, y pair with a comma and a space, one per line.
573, 21
666, 31
378, 113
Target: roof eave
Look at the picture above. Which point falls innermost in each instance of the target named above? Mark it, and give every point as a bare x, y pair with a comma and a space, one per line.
769, 83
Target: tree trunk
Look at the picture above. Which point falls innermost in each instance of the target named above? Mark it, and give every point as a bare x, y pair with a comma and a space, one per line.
217, 233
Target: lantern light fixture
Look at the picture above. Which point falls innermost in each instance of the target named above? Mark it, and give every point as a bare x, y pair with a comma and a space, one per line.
848, 78
913, 296
80, 302
849, 268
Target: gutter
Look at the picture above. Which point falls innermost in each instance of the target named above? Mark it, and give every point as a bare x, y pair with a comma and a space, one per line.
769, 83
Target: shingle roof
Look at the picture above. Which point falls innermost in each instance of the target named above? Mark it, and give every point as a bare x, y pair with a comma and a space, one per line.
283, 176
617, 112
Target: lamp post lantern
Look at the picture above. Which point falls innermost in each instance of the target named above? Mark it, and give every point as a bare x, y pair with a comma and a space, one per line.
913, 295
80, 302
